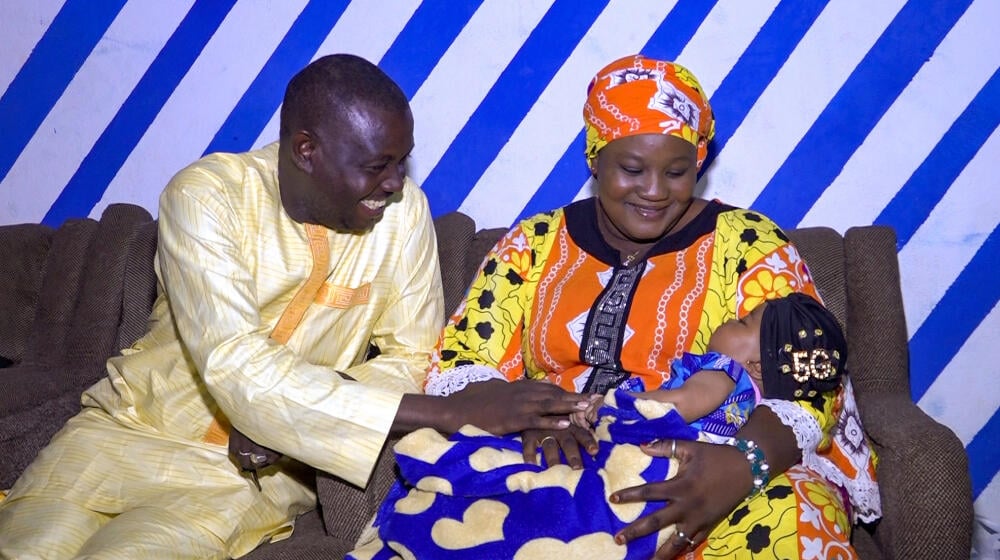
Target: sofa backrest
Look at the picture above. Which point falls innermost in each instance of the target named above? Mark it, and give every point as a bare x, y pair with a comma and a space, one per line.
23, 249
50, 318
70, 301
139, 285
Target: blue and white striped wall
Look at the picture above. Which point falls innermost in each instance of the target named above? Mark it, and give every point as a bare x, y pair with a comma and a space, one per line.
830, 112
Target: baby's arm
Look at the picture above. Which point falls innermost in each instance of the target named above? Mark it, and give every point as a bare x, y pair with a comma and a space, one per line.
700, 394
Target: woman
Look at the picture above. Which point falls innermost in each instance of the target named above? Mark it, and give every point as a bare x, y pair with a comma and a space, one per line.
619, 285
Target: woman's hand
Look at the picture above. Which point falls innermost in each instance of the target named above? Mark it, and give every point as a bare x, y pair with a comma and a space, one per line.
711, 481
570, 441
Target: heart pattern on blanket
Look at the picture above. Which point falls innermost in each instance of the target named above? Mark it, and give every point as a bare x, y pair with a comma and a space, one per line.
623, 470
425, 443
559, 476
415, 502
594, 545
481, 523
488, 459
435, 484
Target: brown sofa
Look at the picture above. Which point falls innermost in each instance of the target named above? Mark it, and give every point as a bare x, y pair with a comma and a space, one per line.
74, 295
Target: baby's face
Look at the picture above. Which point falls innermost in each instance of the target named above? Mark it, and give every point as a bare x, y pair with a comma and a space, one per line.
739, 338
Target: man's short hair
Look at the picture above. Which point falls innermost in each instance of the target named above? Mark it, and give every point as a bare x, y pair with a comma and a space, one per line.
328, 87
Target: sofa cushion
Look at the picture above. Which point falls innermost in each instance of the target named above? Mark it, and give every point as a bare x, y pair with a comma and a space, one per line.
25, 430
21, 272
308, 542
454, 233
80, 301
878, 338
139, 285
59, 291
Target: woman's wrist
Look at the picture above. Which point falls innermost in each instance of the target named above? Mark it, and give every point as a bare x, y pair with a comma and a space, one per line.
776, 441
760, 471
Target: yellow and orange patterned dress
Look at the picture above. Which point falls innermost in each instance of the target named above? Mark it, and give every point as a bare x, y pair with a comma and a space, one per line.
553, 301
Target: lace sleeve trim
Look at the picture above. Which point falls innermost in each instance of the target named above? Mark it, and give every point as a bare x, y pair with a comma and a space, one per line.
806, 428
456, 379
863, 491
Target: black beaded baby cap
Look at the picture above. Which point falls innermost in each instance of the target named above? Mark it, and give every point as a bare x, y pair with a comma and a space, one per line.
802, 348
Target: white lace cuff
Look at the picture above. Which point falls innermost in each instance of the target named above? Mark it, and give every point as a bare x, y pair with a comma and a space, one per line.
862, 490
806, 428
454, 380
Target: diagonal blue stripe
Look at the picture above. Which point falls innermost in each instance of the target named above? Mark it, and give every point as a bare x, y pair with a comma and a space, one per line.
570, 172
885, 71
118, 140
757, 67
43, 78
924, 189
258, 104
426, 37
508, 101
562, 183
964, 306
984, 455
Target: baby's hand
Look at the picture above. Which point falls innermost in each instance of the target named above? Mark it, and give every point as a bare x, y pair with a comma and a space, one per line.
579, 419
596, 401
586, 418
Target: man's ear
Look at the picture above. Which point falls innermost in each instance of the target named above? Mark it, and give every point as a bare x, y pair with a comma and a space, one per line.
303, 148
753, 368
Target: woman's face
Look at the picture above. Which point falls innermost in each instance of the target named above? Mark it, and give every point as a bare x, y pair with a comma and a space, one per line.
644, 185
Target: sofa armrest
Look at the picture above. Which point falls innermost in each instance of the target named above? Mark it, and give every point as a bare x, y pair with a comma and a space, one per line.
917, 452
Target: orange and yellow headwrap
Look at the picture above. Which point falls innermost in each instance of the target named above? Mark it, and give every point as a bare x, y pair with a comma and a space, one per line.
639, 95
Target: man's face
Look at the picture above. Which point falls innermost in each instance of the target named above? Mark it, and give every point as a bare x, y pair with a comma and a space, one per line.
349, 170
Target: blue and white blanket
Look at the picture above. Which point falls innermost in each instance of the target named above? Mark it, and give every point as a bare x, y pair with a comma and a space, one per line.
472, 496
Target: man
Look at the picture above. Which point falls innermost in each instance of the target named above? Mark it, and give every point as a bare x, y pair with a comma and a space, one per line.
279, 269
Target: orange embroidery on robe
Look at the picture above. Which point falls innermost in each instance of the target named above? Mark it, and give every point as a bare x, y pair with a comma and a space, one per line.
319, 246
342, 297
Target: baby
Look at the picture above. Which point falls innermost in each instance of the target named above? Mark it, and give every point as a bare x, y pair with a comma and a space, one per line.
716, 391
695, 389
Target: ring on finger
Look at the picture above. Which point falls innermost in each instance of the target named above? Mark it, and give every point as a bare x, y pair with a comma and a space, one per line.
683, 537
541, 443
255, 458
673, 448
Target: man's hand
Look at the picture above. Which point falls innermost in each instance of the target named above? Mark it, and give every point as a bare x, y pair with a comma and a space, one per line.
570, 441
495, 406
249, 456
501, 408
711, 481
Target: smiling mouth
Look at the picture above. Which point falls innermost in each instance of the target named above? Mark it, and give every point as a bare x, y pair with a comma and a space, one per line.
648, 211
374, 205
